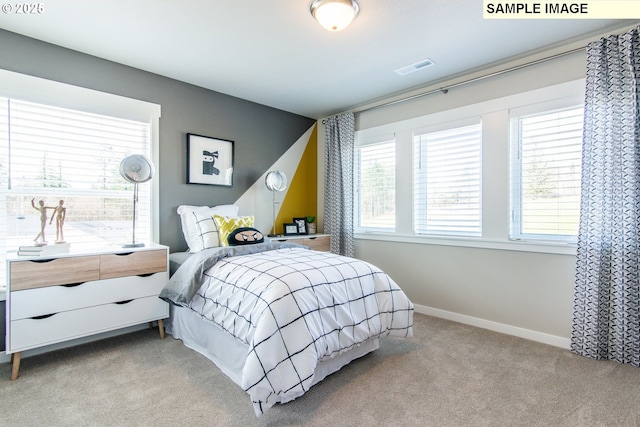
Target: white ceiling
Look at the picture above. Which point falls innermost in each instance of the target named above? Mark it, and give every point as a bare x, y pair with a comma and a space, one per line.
273, 52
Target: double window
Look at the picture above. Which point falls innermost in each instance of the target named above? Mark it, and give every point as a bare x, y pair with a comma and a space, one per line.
449, 189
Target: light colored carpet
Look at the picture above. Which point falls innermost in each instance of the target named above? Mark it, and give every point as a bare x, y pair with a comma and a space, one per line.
448, 375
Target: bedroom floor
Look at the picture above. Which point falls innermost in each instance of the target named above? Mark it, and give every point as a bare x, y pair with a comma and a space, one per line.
448, 375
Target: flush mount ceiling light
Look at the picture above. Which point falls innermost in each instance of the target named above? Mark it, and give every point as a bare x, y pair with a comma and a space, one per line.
334, 15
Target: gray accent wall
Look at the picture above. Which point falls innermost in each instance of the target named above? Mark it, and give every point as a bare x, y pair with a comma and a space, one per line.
261, 134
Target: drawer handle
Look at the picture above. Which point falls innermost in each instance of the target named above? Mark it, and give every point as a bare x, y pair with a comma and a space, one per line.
146, 274
124, 302
44, 316
72, 285
311, 238
124, 254
42, 260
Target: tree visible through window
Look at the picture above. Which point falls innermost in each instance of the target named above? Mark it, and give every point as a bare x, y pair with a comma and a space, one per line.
546, 174
376, 186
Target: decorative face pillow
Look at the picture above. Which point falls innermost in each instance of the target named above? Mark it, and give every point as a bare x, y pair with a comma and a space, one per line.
245, 236
226, 225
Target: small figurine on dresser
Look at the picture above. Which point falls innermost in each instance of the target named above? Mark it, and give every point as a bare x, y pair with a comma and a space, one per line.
41, 247
40, 238
59, 212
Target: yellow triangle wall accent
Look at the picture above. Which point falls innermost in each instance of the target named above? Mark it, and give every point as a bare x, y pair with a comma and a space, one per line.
301, 199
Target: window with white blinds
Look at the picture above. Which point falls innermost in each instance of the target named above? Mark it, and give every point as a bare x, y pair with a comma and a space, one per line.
447, 181
375, 178
545, 177
51, 154
4, 173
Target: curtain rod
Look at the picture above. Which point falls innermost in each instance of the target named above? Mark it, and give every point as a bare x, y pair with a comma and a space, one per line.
445, 89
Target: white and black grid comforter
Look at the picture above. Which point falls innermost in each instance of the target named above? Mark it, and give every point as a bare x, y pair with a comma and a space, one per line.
294, 307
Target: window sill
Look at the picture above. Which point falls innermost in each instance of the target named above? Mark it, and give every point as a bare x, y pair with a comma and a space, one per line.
506, 245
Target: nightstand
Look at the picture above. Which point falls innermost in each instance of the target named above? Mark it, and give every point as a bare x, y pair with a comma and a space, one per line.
317, 242
57, 298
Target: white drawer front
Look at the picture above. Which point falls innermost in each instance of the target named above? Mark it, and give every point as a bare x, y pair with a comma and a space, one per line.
56, 299
29, 333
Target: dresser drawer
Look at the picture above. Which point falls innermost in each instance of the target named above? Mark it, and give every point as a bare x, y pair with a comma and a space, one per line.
56, 299
32, 274
319, 243
322, 244
29, 333
132, 263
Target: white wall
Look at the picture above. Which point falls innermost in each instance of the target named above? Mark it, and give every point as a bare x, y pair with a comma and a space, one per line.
527, 294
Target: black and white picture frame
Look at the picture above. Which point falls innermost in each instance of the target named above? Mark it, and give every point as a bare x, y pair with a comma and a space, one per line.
301, 223
209, 160
290, 229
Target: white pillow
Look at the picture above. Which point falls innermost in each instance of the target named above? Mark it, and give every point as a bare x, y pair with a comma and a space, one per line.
199, 229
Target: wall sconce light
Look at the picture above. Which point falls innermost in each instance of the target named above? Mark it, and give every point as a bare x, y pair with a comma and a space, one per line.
334, 15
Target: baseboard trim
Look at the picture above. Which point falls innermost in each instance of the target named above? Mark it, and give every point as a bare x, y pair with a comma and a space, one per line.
541, 337
553, 340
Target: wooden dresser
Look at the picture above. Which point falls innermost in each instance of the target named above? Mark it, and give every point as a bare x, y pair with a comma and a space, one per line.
317, 242
51, 299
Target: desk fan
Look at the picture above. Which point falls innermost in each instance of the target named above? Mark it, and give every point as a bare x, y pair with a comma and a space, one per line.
136, 169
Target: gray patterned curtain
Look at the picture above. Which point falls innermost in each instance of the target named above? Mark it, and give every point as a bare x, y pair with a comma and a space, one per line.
338, 185
606, 321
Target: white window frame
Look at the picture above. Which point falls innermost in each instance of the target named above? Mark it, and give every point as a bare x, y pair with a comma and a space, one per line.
494, 114
364, 140
516, 168
472, 121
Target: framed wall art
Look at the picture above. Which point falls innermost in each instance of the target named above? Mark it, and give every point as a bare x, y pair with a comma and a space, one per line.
301, 223
290, 229
209, 160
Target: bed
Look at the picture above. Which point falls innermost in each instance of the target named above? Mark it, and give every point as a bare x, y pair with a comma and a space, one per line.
277, 317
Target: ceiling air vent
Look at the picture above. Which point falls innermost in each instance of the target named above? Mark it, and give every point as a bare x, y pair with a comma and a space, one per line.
415, 67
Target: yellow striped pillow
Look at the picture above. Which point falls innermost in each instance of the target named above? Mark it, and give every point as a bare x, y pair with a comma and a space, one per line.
226, 225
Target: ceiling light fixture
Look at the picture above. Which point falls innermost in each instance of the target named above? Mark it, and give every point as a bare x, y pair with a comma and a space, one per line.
334, 15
